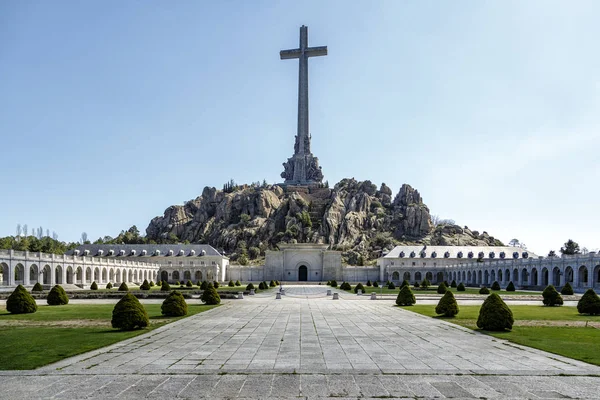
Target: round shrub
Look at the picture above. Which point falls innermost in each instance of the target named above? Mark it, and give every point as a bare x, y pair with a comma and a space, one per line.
495, 286
495, 315
405, 297
210, 295
145, 285
261, 286
510, 287
177, 283
369, 283
460, 287
250, 286
37, 287
20, 302
109, 285
567, 290
589, 303
94, 286
165, 287
129, 314
57, 296
216, 284
189, 283
484, 290
442, 288
447, 305
231, 284
391, 286
203, 285
237, 283
404, 283
152, 284
159, 283
334, 283
272, 284
375, 284
552, 297
453, 283
417, 285
346, 286
359, 287
174, 305
123, 287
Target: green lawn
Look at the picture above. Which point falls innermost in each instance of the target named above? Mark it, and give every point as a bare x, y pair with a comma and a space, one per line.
26, 343
579, 342
433, 291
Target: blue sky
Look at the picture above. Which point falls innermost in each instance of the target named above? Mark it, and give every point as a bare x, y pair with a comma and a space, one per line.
112, 111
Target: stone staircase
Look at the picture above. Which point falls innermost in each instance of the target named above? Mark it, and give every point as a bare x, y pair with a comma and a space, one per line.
319, 199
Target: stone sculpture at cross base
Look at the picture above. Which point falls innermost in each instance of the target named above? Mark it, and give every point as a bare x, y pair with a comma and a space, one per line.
302, 168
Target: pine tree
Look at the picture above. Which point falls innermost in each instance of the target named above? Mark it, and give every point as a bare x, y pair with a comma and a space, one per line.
510, 287
442, 288
460, 287
589, 303
405, 297
495, 315
174, 305
145, 285
210, 295
552, 297
567, 290
447, 305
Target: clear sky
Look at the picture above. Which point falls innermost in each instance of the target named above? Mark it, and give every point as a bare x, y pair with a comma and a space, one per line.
112, 111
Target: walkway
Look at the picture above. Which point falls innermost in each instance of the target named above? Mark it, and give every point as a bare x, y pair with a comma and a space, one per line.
309, 345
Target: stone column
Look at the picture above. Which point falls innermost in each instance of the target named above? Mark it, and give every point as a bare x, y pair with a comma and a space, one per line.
576, 277
590, 277
26, 272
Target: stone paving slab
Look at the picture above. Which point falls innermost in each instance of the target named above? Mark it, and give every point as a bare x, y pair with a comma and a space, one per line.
307, 345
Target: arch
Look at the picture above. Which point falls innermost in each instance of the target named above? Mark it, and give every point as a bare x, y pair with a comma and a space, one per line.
479, 276
88, 275
583, 277
569, 274
525, 277
302, 273
534, 277
104, 275
556, 276
97, 274
111, 275
545, 280
198, 276
439, 277
187, 275
469, 277
34, 274
130, 276
58, 275
164, 276
175, 275
47, 275
118, 276
395, 276
418, 277
123, 275
507, 275
500, 274
429, 276
493, 276
596, 275
486, 277
515, 275
135, 276
406, 276
464, 276
5, 271
19, 274
70, 275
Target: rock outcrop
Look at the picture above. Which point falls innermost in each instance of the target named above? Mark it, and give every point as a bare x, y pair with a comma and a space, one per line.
354, 217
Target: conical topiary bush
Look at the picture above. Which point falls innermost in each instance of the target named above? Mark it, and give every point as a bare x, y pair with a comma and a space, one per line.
237, 283
404, 283
250, 286
495, 315
358, 287
442, 288
369, 282
261, 286
203, 285
496, 286
447, 305
94, 286
109, 285
37, 287
216, 284
145, 285
152, 284
174, 305
484, 290
375, 284
567, 290
405, 297
123, 287
129, 314
57, 296
165, 287
461, 287
210, 295
589, 303
189, 283
231, 284
20, 302
391, 286
272, 284
510, 287
453, 284
552, 297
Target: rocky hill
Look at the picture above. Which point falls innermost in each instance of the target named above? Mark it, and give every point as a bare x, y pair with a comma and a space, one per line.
354, 217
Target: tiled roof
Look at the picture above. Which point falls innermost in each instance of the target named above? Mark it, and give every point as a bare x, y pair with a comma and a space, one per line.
465, 252
136, 250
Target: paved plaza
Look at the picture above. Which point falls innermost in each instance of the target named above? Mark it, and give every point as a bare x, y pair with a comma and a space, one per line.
309, 346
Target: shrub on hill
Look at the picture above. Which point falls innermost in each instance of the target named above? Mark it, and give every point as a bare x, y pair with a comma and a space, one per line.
391, 286
37, 287
453, 284
250, 286
567, 290
145, 285
129, 314
237, 283
94, 286
57, 296
20, 302
447, 305
461, 287
484, 290
358, 287
174, 305
109, 285
589, 303
552, 297
165, 287
510, 287
494, 314
405, 297
442, 288
123, 287
210, 295
496, 286
231, 284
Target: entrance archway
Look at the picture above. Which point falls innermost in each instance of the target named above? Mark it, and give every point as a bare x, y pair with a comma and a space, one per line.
302, 273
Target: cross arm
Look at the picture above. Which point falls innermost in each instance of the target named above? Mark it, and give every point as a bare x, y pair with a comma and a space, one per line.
316, 51
287, 54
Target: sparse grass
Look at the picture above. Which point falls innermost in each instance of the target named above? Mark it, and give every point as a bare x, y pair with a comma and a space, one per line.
53, 333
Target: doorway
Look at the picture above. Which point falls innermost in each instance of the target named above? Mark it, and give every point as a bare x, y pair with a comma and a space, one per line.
303, 273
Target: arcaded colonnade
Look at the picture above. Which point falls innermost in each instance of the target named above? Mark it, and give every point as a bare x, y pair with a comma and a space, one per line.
28, 268
581, 271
